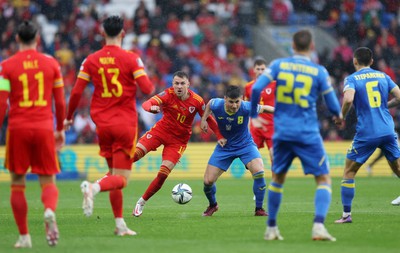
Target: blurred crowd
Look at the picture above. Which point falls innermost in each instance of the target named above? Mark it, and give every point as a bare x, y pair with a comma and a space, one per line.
210, 39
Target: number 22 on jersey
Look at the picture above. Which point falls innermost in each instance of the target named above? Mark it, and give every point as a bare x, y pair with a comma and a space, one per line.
288, 94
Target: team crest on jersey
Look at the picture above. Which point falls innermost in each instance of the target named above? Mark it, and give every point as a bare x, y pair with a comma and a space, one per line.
148, 136
228, 127
268, 90
191, 109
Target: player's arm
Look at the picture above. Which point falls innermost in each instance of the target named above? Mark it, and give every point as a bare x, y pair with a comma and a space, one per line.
266, 109
145, 85
396, 100
348, 98
59, 104
4, 93
74, 99
258, 86
212, 123
152, 105
204, 117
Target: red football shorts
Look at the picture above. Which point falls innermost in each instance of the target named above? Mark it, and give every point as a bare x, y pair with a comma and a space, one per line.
260, 136
118, 143
33, 148
173, 148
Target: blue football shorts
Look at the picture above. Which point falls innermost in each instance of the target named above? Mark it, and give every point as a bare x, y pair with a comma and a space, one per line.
359, 151
222, 158
312, 156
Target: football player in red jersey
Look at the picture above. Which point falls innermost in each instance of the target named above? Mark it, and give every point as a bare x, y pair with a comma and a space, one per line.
116, 75
30, 80
179, 106
264, 134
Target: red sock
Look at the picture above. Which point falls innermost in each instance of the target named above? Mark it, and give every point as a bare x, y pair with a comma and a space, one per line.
116, 200
157, 183
19, 208
112, 182
50, 196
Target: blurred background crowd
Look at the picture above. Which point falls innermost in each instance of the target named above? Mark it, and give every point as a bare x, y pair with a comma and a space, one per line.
210, 39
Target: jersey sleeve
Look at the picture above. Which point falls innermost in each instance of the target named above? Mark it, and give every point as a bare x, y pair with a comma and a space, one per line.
390, 82
140, 76
84, 71
348, 84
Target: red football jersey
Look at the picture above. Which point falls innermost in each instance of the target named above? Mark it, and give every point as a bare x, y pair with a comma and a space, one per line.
267, 97
113, 72
178, 115
32, 76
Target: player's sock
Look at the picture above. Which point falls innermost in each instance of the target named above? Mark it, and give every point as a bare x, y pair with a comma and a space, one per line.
109, 183
50, 196
259, 188
347, 190
116, 200
323, 196
209, 191
157, 183
19, 208
275, 191
139, 153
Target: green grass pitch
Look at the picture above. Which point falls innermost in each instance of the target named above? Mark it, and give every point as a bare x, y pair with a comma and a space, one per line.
168, 227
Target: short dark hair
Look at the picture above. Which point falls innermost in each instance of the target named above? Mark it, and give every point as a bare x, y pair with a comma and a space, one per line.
27, 32
363, 56
113, 25
302, 40
233, 91
260, 61
181, 74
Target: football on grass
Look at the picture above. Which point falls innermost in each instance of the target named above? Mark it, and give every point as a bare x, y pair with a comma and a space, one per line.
181, 193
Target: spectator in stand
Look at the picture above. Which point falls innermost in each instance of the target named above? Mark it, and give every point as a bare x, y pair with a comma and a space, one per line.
188, 27
280, 11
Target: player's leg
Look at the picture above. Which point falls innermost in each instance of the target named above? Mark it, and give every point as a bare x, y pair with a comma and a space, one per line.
17, 162
357, 155
218, 163
392, 153
171, 155
19, 207
45, 164
49, 199
211, 176
314, 161
283, 157
252, 158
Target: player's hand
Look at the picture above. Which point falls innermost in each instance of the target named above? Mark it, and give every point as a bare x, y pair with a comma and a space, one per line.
339, 121
68, 124
60, 139
222, 142
155, 109
204, 126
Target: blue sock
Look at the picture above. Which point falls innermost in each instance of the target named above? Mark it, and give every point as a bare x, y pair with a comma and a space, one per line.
274, 201
210, 191
259, 188
323, 196
348, 191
